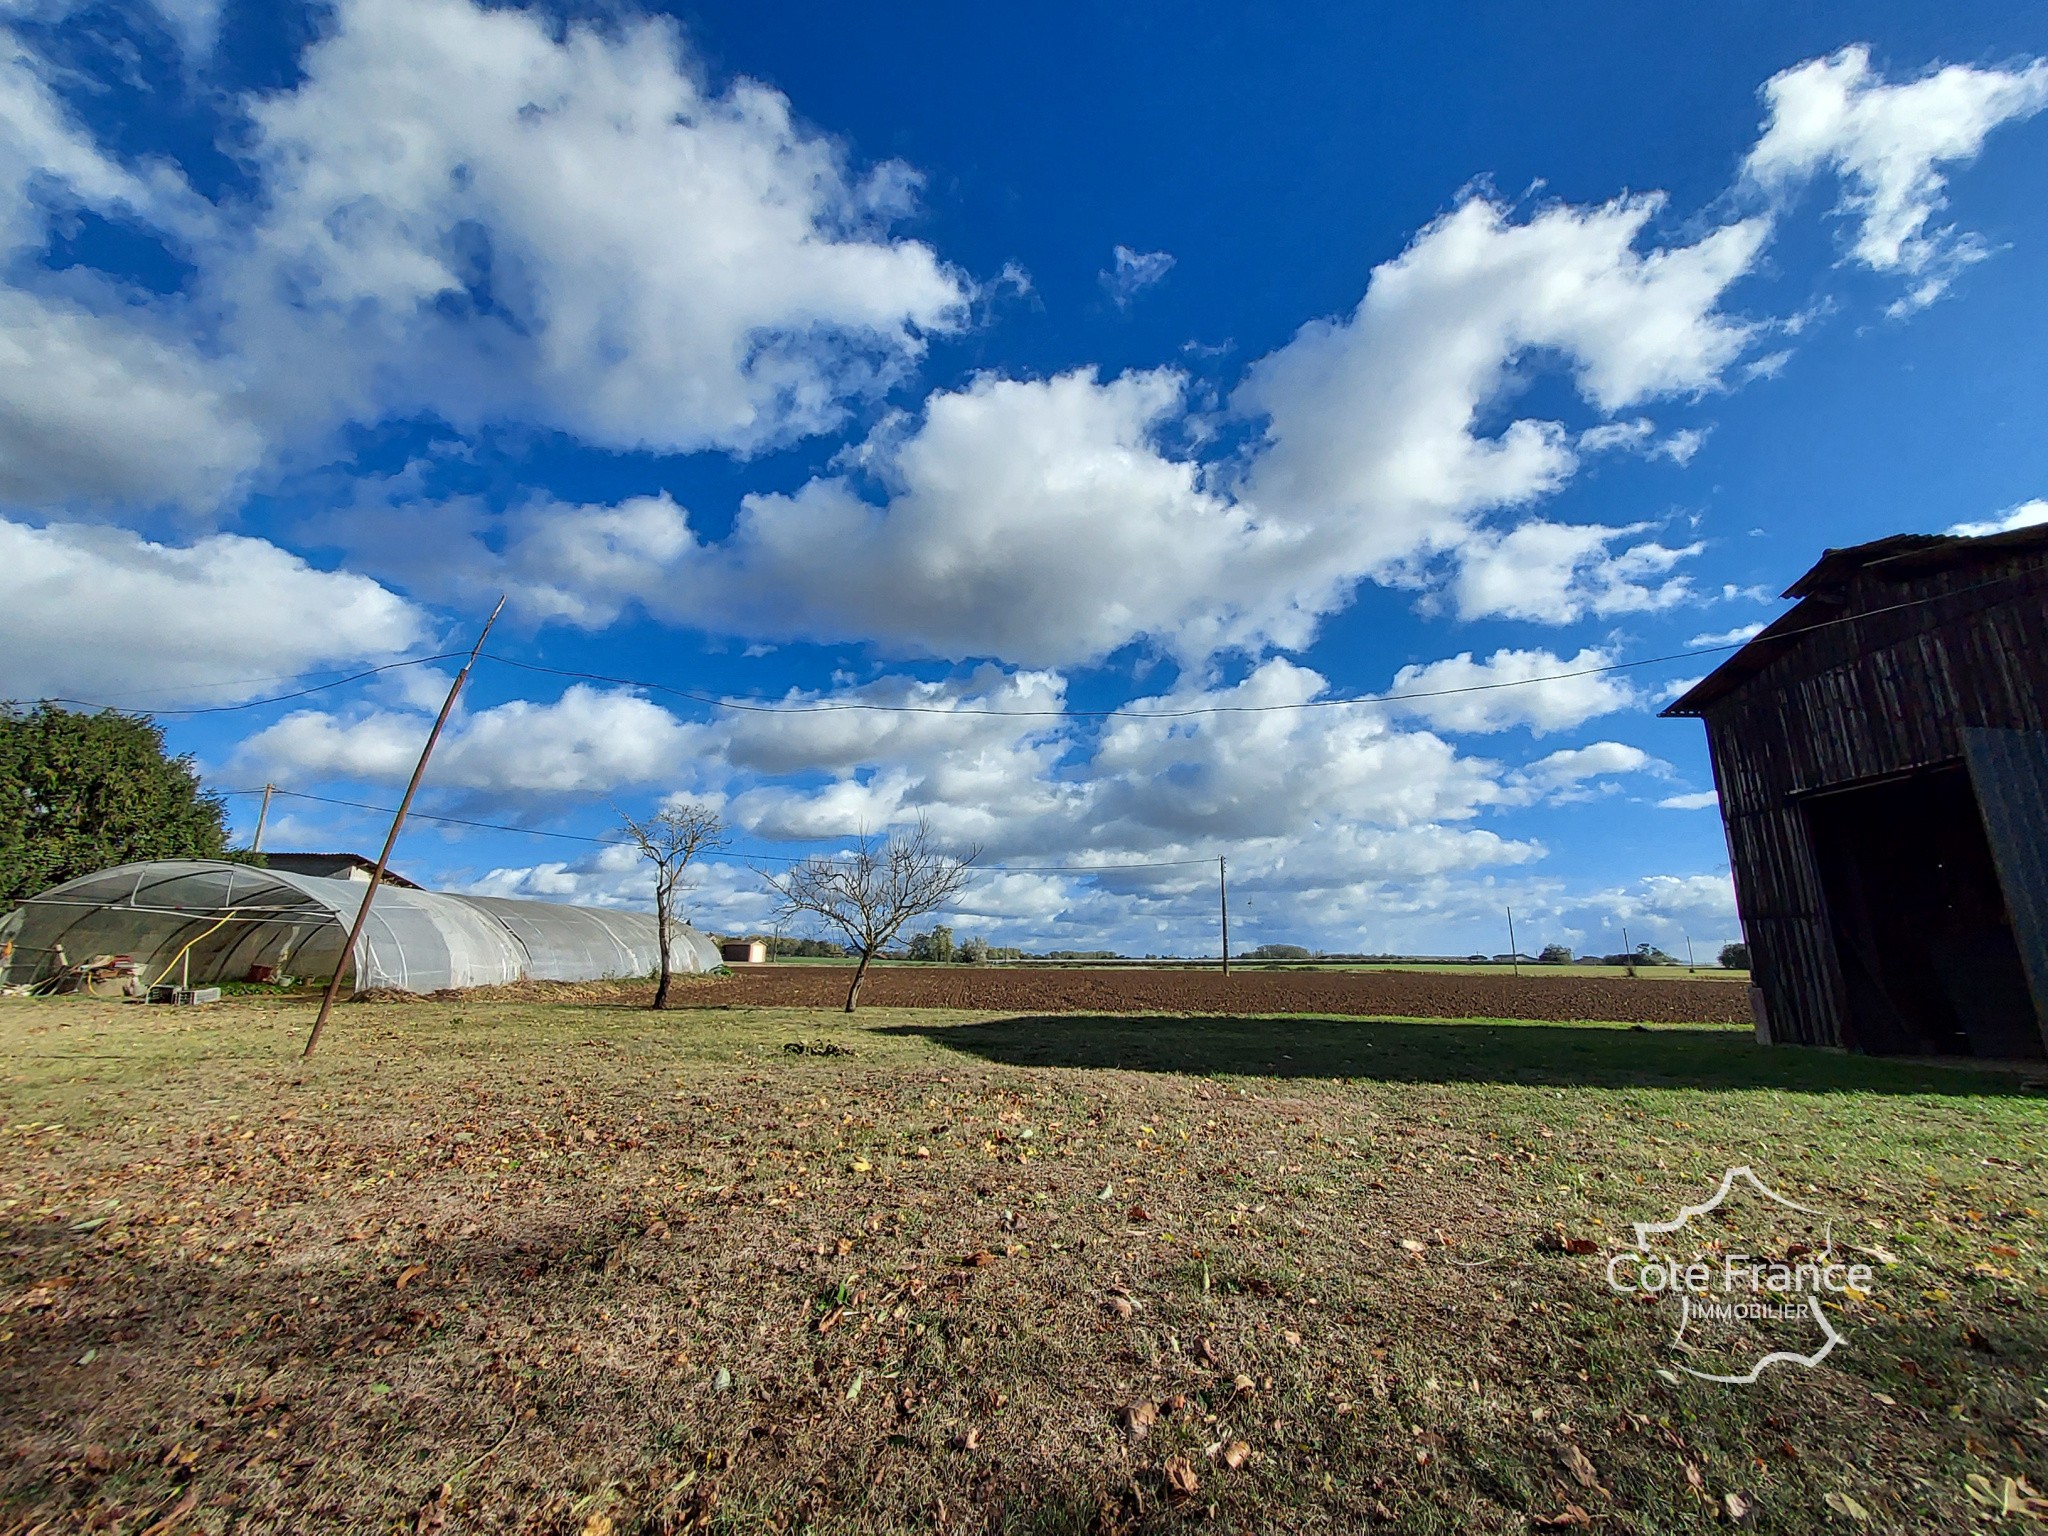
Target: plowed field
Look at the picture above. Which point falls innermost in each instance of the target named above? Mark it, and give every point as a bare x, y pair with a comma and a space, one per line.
1399, 994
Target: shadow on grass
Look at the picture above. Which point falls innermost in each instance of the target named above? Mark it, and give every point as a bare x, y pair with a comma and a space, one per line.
1582, 1055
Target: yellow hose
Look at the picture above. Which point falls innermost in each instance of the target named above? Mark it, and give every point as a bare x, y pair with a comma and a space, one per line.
233, 912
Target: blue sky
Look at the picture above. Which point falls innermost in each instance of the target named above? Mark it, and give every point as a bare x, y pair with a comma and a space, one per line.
1006, 371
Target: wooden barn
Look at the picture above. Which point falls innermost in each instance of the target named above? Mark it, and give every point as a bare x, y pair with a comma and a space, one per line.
1881, 753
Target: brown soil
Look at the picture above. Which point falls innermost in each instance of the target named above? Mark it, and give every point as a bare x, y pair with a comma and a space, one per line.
1396, 994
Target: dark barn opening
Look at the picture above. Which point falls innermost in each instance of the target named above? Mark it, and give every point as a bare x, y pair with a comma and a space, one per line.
1929, 964
1881, 753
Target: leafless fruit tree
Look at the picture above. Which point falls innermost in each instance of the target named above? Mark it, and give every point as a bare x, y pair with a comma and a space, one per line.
870, 893
669, 840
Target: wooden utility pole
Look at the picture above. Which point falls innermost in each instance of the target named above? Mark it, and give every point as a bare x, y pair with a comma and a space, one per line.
263, 815
1514, 953
391, 838
1223, 906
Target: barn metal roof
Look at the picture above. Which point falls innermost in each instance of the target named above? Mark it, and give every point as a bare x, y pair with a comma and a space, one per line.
1818, 594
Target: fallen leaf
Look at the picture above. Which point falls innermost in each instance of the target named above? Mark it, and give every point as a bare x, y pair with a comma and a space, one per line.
2022, 1498
97, 1458
980, 1259
598, 1525
1210, 1352
1243, 1385
1580, 1245
1579, 1465
1842, 1504
433, 1514
1413, 1245
1181, 1480
969, 1440
1139, 1419
1122, 1306
177, 1511
1693, 1479
1236, 1454
410, 1273
1736, 1507
1565, 1518
1139, 1213
1290, 1338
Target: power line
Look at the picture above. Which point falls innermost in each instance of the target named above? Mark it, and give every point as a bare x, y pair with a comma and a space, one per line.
1101, 714
861, 705
1257, 709
282, 698
774, 858
453, 821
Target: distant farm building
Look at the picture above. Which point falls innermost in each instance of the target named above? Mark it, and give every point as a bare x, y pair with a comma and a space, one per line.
1881, 752
744, 951
210, 922
334, 866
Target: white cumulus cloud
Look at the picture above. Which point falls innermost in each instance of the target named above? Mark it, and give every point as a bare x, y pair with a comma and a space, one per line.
1502, 691
2027, 514
1889, 143
1556, 573
589, 741
103, 615
472, 212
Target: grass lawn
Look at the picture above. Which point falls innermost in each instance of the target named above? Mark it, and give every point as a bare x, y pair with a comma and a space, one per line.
507, 1265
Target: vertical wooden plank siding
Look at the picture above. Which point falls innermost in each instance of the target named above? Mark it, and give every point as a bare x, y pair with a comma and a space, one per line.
2010, 771
1883, 693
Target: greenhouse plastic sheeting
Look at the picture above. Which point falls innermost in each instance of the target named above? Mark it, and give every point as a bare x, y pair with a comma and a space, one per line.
212, 921
579, 943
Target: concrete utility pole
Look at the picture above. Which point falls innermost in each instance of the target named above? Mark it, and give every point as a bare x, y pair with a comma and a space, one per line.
398, 820
1223, 906
1514, 953
263, 815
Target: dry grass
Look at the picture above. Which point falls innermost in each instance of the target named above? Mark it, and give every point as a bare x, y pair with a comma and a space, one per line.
505, 1264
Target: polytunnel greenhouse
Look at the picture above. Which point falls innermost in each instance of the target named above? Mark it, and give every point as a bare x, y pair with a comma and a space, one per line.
210, 921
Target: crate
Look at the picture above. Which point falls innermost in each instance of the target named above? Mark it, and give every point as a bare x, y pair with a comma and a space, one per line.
183, 996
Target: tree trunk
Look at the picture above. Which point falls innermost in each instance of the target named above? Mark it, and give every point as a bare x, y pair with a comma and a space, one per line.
661, 925
860, 973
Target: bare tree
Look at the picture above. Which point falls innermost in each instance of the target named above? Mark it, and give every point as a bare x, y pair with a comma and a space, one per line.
873, 891
669, 840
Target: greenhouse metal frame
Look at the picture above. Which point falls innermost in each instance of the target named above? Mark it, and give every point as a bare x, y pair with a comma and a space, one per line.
203, 922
